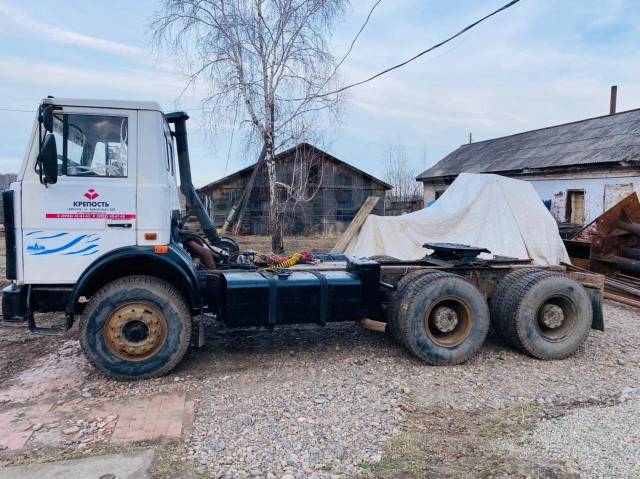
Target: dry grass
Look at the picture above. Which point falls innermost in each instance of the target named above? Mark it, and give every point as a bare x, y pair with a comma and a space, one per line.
457, 444
292, 244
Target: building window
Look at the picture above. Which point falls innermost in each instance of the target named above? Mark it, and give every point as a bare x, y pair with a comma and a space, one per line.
575, 207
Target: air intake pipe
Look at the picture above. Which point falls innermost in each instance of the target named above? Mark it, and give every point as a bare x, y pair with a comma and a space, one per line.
179, 120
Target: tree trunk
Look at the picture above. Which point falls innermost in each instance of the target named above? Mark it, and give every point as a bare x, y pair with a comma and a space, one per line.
275, 223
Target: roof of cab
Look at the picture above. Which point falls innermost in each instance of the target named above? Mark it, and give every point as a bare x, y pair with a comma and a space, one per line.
116, 104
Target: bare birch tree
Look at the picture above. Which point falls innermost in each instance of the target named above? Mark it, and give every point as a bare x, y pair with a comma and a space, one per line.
305, 170
268, 59
400, 173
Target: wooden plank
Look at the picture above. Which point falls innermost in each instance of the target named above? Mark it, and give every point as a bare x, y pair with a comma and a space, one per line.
372, 325
355, 225
594, 279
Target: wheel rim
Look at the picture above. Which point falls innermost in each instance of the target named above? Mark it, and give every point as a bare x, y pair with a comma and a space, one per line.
135, 331
448, 321
556, 318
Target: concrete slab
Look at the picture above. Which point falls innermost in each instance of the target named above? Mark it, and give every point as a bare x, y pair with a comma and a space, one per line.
122, 466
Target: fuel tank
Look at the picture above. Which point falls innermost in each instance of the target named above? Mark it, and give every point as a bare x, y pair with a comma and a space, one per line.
263, 298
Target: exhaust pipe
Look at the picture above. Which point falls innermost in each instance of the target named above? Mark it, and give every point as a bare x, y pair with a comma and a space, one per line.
179, 120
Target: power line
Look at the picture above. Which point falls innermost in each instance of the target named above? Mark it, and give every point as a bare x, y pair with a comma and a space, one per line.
424, 52
13, 110
355, 39
347, 53
383, 72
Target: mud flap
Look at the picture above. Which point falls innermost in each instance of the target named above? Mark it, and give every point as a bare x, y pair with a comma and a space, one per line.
198, 339
595, 295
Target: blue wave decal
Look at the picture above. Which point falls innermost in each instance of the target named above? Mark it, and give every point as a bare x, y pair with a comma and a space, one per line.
90, 247
52, 236
34, 232
61, 244
40, 250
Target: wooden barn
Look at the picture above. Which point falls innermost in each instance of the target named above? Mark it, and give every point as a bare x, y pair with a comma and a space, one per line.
336, 190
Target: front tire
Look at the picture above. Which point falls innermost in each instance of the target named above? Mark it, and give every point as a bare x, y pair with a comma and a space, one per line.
135, 327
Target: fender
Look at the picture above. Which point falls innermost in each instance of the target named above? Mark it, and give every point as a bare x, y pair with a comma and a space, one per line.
174, 266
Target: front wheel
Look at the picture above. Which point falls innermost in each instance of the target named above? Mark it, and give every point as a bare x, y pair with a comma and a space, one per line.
135, 327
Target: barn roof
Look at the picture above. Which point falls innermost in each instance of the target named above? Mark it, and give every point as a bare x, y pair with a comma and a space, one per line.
306, 146
603, 141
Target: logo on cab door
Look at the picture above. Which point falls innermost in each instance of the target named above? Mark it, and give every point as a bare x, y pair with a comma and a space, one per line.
88, 208
91, 194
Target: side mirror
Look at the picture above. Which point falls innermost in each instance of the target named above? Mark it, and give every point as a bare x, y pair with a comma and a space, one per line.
46, 117
48, 161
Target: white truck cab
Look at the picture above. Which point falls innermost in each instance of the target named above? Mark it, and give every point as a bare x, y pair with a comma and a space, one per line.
103, 181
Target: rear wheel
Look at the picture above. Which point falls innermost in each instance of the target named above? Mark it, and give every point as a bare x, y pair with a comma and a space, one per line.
500, 315
395, 300
443, 318
135, 327
551, 315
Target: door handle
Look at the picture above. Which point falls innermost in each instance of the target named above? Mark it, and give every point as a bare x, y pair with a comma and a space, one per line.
119, 225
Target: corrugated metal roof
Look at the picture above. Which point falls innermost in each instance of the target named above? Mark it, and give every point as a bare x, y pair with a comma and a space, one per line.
602, 140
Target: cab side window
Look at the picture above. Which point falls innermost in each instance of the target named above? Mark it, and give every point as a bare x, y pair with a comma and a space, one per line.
169, 147
91, 145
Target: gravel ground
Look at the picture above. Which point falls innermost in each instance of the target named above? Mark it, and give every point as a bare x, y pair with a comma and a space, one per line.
601, 442
305, 405
305, 402
342, 402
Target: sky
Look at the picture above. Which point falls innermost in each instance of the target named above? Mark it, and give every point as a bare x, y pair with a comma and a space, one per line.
540, 63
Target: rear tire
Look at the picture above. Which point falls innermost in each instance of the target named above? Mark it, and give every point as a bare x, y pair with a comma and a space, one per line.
395, 300
443, 318
551, 315
500, 315
135, 327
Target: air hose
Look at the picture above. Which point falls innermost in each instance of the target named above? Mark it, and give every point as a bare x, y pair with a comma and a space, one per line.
295, 259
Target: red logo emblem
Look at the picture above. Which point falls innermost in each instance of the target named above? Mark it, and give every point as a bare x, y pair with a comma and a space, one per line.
91, 194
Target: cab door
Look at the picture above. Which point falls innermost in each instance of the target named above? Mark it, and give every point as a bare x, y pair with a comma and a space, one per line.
91, 210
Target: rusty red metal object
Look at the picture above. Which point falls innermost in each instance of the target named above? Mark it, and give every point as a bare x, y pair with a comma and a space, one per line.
610, 245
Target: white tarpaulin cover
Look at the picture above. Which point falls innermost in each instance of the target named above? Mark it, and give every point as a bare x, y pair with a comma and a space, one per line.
504, 215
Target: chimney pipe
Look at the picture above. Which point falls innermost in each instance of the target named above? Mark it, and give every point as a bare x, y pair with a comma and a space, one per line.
614, 99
